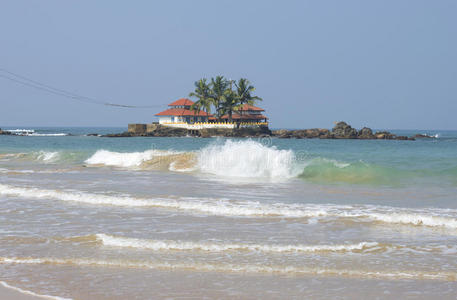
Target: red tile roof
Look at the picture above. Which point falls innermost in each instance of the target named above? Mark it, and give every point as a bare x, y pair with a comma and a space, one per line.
242, 117
182, 112
182, 102
247, 107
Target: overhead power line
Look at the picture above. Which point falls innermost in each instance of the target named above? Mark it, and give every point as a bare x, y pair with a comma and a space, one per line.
25, 81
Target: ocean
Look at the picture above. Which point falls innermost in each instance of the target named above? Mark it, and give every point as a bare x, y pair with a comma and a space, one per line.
87, 217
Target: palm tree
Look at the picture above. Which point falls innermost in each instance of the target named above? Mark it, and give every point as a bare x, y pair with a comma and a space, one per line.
219, 86
202, 93
231, 101
244, 91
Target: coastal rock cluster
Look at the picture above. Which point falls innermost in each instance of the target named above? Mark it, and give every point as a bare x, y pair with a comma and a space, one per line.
341, 130
157, 131
164, 131
2, 132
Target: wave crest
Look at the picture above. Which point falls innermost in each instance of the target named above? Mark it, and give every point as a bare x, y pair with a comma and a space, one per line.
232, 268
223, 207
109, 240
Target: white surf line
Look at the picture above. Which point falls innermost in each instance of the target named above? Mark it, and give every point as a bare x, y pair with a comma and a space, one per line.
232, 268
115, 241
242, 209
30, 293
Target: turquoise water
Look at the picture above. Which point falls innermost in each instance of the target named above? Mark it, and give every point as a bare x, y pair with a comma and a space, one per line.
424, 161
86, 217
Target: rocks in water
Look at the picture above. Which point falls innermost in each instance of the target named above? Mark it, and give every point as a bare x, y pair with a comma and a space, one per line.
424, 136
365, 134
303, 133
237, 132
344, 131
164, 131
2, 132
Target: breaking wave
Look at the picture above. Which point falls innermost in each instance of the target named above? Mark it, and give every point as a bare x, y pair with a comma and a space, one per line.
232, 268
247, 159
32, 132
149, 159
431, 217
47, 156
109, 240
243, 160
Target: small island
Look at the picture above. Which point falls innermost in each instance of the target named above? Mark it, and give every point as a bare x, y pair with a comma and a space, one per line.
235, 115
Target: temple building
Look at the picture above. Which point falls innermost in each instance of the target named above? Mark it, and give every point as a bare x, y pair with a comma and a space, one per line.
179, 114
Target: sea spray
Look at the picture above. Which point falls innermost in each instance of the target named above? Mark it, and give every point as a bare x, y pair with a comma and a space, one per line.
130, 159
247, 159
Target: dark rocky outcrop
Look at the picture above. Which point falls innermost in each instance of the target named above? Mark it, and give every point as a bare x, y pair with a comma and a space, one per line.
341, 130
344, 131
365, 134
164, 131
423, 136
159, 131
303, 133
2, 132
238, 132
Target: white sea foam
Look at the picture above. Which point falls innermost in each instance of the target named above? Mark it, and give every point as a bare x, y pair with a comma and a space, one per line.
120, 159
47, 134
21, 131
224, 207
232, 268
32, 132
30, 293
415, 219
109, 240
247, 159
47, 156
208, 206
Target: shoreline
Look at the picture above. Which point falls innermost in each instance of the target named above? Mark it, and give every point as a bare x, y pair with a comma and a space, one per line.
9, 292
341, 130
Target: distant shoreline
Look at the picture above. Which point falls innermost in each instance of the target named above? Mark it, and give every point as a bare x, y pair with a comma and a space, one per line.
341, 131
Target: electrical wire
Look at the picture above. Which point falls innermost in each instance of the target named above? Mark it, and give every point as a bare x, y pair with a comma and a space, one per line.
20, 79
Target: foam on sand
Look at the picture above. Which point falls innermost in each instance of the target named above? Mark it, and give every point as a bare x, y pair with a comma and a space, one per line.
30, 293
223, 207
232, 268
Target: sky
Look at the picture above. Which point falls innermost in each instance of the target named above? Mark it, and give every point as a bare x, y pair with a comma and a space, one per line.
383, 64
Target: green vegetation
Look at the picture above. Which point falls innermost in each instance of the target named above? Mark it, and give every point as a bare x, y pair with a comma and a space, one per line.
226, 96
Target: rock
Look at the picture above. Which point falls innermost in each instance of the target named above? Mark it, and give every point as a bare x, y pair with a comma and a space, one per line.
384, 135
237, 132
423, 136
165, 131
344, 131
123, 134
5, 132
401, 138
282, 133
365, 133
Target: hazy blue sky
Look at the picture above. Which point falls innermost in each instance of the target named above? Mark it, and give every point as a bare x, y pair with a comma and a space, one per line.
383, 64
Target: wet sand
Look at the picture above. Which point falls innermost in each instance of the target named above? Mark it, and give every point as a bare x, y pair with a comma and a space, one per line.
8, 292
